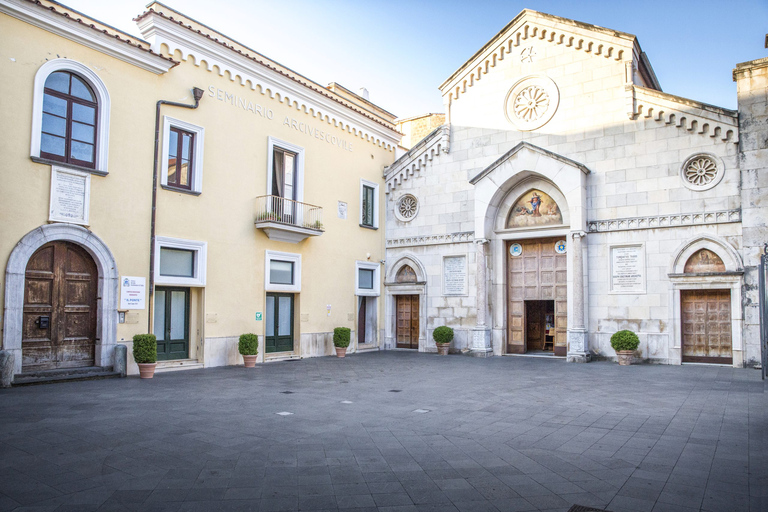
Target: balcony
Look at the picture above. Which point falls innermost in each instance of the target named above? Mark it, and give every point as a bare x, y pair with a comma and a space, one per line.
286, 220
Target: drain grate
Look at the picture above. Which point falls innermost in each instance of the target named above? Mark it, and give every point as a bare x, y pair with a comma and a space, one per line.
582, 508
287, 392
395, 390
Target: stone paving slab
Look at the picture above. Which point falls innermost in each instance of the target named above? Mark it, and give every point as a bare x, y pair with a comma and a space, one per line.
392, 431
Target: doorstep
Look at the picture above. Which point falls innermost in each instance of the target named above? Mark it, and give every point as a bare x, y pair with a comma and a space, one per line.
64, 375
281, 356
178, 364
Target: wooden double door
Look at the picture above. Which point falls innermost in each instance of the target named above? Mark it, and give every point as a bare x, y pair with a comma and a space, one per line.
706, 326
172, 323
407, 321
59, 319
536, 288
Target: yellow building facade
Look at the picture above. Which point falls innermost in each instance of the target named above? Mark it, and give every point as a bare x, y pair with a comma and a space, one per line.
182, 185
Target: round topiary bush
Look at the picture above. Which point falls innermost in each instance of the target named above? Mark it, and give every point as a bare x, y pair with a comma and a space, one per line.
248, 344
625, 340
341, 337
442, 334
145, 348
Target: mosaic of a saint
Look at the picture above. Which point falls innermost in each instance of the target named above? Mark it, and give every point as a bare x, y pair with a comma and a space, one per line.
534, 208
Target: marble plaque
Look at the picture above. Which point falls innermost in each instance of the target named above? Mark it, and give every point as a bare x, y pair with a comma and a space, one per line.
70, 196
455, 275
628, 269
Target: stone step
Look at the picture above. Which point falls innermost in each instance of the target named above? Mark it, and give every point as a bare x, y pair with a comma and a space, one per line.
64, 375
178, 364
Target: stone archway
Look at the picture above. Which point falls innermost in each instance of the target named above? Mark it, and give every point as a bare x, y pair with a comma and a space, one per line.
398, 286
108, 280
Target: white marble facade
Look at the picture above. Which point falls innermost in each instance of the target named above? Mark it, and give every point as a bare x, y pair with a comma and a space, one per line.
576, 111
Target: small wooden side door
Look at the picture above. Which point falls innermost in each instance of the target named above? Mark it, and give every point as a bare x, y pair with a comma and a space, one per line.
706, 326
407, 328
60, 291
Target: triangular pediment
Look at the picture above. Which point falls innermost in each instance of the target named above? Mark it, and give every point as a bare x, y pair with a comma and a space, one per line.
529, 157
529, 26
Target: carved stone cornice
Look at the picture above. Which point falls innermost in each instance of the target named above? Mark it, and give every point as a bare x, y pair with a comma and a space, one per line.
665, 221
720, 124
447, 238
417, 158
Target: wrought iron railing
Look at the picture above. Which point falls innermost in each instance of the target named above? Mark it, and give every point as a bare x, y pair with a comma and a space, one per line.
286, 211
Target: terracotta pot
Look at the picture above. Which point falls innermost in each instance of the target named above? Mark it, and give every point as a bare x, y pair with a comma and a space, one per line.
147, 370
442, 348
341, 351
250, 361
625, 357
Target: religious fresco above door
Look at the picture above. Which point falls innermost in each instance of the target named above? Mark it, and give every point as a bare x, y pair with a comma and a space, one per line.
534, 208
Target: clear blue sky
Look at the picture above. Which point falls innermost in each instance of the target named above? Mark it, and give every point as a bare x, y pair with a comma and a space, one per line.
403, 50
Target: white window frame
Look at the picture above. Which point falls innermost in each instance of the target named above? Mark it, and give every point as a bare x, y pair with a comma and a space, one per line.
364, 292
201, 261
375, 187
102, 97
197, 153
283, 256
272, 142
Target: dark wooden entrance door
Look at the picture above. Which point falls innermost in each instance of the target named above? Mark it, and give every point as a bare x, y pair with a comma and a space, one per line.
706, 326
279, 320
59, 329
407, 307
172, 323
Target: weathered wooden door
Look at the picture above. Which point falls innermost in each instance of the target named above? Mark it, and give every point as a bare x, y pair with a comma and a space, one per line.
706, 326
172, 323
407, 307
59, 327
538, 272
279, 337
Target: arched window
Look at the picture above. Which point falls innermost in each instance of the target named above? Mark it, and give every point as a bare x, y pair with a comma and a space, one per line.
70, 117
70, 122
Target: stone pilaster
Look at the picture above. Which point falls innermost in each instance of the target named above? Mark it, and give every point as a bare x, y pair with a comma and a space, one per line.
481, 334
578, 349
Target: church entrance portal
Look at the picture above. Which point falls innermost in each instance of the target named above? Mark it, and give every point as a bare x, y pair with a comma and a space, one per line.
536, 293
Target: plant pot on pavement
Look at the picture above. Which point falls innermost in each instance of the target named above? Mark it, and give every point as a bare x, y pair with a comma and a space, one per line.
147, 370
341, 338
250, 361
442, 348
624, 357
341, 351
625, 343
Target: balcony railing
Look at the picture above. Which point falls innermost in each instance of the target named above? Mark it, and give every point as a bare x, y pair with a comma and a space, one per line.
287, 220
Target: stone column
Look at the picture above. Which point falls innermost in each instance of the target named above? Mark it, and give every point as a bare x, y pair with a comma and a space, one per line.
578, 349
481, 334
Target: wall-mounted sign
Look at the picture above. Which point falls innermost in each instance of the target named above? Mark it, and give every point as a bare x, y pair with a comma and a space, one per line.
455, 275
515, 250
258, 316
561, 247
70, 196
132, 292
342, 210
628, 269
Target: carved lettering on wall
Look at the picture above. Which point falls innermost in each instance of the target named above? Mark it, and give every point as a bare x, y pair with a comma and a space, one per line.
70, 196
628, 269
455, 275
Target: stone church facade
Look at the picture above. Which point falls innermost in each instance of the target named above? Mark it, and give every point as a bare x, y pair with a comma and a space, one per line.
567, 197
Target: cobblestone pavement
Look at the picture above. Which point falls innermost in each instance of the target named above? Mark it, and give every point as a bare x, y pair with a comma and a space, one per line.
392, 431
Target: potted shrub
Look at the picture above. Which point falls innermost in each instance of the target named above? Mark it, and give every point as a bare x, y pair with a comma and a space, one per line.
443, 336
341, 336
248, 346
625, 343
145, 354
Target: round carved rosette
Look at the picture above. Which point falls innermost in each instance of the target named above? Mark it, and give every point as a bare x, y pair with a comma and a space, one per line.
702, 171
406, 208
532, 102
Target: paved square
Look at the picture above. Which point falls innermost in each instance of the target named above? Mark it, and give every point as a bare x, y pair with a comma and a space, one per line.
505, 433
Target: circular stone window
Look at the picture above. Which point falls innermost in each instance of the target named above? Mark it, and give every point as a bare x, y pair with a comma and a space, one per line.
406, 208
531, 102
702, 171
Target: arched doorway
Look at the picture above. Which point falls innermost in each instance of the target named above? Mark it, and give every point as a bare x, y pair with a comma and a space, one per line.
59, 326
406, 296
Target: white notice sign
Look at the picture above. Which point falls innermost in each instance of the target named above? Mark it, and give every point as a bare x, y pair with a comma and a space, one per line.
628, 269
132, 292
70, 196
455, 275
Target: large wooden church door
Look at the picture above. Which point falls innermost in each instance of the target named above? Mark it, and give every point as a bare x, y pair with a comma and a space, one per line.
59, 327
706, 326
407, 328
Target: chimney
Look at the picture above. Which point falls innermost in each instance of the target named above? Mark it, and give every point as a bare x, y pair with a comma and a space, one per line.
364, 93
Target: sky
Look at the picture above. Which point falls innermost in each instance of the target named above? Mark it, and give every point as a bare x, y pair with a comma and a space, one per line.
402, 50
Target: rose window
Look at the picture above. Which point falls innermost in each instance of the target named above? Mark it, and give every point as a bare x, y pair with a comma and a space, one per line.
531, 103
701, 171
407, 207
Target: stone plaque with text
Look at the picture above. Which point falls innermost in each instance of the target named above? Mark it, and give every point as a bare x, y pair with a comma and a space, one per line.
70, 196
628, 269
455, 275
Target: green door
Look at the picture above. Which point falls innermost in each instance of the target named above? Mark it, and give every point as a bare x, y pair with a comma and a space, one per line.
279, 322
172, 323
